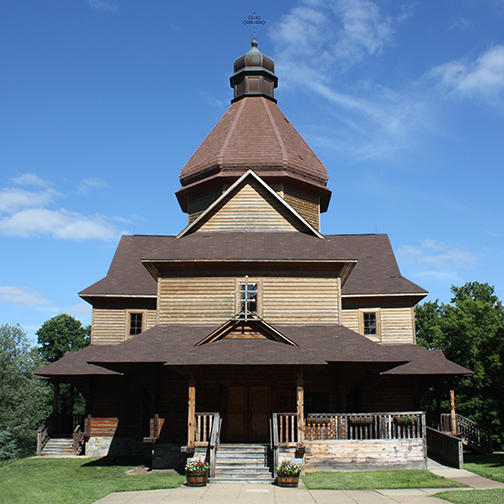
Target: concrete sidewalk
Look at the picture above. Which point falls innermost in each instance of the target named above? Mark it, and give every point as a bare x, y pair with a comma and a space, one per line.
269, 494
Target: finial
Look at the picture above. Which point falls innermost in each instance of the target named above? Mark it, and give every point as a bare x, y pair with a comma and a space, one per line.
254, 43
254, 20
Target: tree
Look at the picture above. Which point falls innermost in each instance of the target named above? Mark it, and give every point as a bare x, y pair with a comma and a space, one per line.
61, 334
24, 399
470, 331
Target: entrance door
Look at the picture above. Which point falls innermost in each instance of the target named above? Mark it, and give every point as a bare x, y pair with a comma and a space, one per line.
247, 415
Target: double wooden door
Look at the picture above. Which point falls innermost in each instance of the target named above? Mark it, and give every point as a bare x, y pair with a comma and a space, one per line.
248, 410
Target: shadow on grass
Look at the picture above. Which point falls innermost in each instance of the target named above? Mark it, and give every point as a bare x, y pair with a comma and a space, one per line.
108, 461
492, 460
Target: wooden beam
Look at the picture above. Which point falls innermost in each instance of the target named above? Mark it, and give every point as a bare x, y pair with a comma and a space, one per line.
300, 407
453, 412
191, 411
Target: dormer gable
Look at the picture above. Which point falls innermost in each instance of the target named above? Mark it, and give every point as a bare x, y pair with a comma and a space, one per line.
250, 205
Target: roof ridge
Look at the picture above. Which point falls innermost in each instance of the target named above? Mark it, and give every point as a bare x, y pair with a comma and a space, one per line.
285, 156
232, 127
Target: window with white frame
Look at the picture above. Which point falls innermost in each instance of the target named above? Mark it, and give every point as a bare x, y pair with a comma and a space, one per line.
247, 298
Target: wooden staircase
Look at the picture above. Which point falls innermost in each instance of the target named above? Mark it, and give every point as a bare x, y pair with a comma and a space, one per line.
242, 463
473, 435
58, 447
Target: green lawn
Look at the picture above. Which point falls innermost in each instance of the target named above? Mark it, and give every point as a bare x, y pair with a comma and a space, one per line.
368, 480
474, 496
60, 481
490, 466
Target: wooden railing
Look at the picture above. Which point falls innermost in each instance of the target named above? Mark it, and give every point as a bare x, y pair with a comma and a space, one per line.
274, 441
42, 437
474, 435
213, 443
203, 430
352, 426
78, 440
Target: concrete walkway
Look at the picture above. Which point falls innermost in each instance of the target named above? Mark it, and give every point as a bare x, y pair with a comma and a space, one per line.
237, 493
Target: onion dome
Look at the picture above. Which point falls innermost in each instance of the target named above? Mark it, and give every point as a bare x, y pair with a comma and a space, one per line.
254, 75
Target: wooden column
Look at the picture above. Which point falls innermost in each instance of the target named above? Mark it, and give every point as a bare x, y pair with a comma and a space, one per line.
191, 411
72, 400
453, 412
300, 407
56, 398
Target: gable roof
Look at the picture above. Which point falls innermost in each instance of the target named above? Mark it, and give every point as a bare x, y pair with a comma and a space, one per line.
376, 271
248, 176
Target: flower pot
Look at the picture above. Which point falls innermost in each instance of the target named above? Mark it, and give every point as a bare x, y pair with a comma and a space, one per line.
363, 420
197, 479
290, 480
405, 420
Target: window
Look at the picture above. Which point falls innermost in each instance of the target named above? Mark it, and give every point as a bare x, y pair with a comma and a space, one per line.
370, 323
247, 298
135, 323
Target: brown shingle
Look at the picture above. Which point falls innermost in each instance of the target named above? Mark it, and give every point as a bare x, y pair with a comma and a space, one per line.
254, 134
376, 271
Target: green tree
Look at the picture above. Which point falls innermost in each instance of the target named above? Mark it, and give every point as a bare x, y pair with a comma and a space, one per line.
24, 399
61, 334
470, 332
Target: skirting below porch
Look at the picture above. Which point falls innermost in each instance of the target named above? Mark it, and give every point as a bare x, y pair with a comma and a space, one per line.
365, 454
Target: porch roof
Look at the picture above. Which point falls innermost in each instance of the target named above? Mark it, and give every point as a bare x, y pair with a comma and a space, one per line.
177, 345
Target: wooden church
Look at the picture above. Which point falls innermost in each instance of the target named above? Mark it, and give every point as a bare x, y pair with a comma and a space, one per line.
251, 333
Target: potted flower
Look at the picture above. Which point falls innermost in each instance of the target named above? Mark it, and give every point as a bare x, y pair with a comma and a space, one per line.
405, 420
361, 420
288, 474
197, 473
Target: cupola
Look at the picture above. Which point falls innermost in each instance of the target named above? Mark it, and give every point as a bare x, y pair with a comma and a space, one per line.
254, 75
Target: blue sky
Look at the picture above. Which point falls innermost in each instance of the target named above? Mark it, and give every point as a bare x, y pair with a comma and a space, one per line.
103, 101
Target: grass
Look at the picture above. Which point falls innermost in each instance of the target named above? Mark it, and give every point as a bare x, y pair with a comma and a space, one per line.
60, 481
489, 466
474, 496
369, 480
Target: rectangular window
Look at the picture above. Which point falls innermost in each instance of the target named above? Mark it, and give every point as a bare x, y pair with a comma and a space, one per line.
370, 324
135, 323
248, 298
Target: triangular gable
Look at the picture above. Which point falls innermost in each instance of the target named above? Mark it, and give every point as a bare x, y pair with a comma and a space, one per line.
239, 328
250, 204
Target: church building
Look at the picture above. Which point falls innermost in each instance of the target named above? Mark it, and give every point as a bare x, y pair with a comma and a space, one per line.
251, 332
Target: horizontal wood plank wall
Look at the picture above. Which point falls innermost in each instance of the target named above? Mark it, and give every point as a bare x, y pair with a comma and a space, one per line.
110, 325
213, 300
252, 208
287, 299
305, 204
196, 299
199, 202
396, 324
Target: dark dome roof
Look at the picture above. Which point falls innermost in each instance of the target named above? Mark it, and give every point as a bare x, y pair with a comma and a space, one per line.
254, 59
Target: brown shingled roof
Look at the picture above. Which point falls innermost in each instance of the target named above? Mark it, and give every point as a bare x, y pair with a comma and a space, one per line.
376, 271
254, 134
176, 345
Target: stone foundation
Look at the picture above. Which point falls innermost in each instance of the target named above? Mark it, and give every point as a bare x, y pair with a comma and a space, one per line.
109, 446
346, 455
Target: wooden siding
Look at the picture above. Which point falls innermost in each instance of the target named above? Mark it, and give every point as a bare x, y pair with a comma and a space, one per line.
110, 325
196, 299
306, 204
252, 208
396, 324
214, 299
200, 201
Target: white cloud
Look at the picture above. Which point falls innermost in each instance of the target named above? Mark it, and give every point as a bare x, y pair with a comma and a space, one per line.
483, 77
102, 5
90, 183
436, 260
12, 199
61, 223
23, 296
460, 23
317, 43
29, 179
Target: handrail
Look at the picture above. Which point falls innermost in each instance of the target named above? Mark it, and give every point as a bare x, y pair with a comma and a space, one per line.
214, 441
274, 442
77, 440
473, 434
42, 437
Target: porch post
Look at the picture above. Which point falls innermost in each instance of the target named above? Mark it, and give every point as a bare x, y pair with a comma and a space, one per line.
56, 398
191, 411
453, 412
300, 407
